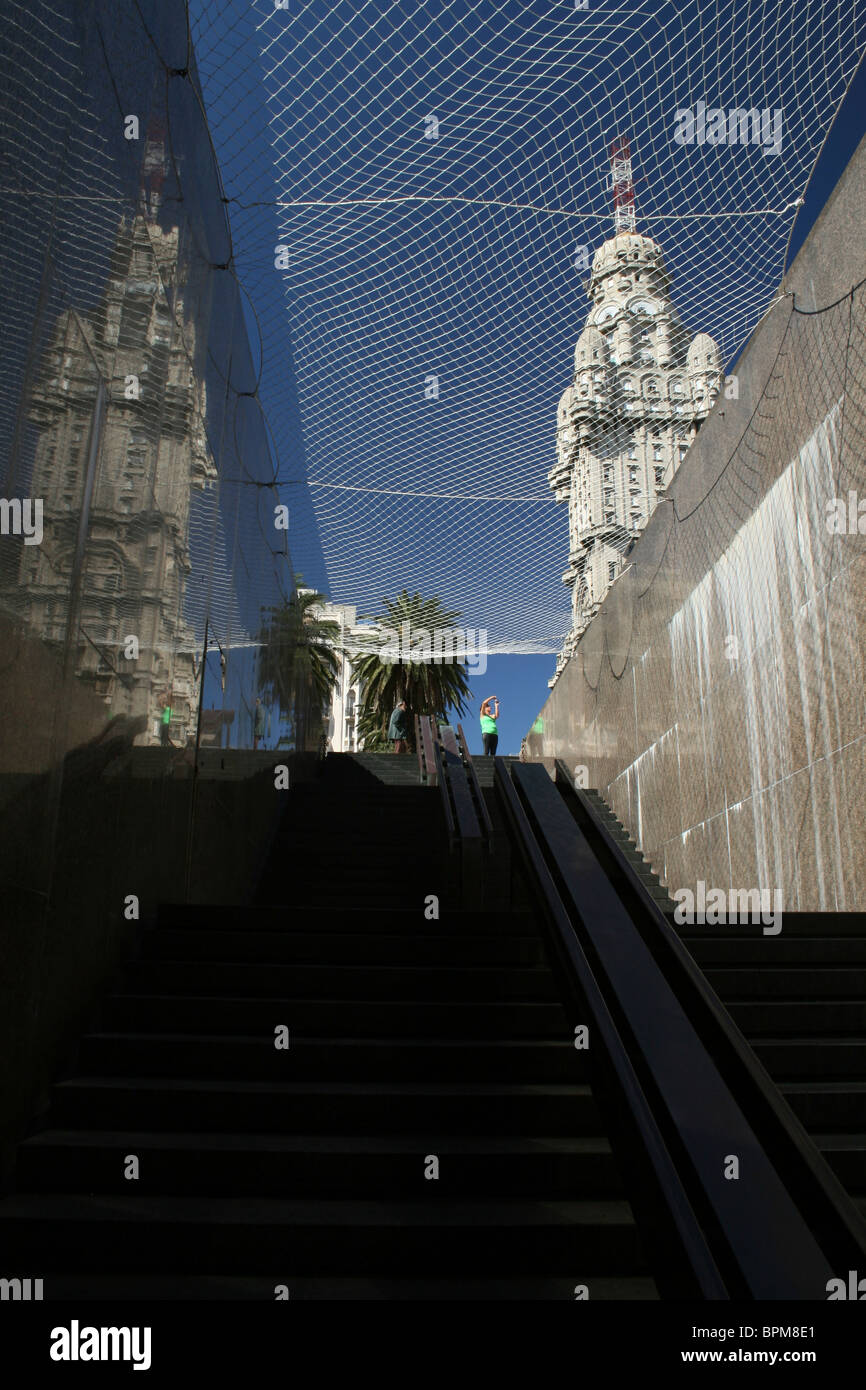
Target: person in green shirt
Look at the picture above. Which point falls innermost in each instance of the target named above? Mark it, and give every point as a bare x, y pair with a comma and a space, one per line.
489, 729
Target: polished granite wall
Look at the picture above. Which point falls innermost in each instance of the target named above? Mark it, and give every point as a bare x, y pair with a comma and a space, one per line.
717, 700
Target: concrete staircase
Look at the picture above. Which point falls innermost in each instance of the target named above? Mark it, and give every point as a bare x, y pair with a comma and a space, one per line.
413, 1042
650, 879
799, 998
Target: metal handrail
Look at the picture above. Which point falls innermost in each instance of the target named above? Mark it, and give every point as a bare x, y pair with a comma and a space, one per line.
419, 750
424, 745
450, 822
474, 786
832, 1211
680, 1235
458, 783
464, 830
760, 1239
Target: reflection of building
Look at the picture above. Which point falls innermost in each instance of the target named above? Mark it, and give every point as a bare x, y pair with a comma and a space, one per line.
152, 452
342, 714
640, 391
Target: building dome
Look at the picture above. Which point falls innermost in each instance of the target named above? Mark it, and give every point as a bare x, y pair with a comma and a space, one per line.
624, 250
703, 354
565, 405
591, 348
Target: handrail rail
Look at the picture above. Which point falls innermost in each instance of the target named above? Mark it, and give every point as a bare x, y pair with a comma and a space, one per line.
818, 1189
424, 743
432, 752
461, 794
464, 829
474, 787
698, 1111
681, 1234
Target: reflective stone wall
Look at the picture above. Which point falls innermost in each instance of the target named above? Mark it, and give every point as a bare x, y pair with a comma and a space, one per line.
718, 698
140, 550
143, 576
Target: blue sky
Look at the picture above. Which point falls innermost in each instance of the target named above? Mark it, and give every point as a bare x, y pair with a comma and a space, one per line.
326, 102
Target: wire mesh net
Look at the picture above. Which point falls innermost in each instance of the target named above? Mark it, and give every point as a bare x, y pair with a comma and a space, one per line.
414, 215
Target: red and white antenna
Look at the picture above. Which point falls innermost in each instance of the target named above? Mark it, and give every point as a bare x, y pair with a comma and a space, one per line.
622, 183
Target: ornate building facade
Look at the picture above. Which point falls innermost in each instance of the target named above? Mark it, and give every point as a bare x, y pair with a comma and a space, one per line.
122, 446
641, 388
342, 714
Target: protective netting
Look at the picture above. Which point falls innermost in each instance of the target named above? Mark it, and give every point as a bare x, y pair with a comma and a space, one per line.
434, 176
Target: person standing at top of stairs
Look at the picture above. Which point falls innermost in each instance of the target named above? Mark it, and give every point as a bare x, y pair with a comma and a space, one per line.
489, 727
398, 729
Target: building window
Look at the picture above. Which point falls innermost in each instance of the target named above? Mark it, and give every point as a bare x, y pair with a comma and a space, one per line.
611, 571
657, 453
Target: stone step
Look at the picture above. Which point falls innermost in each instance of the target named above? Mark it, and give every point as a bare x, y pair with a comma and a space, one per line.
358, 1107
384, 1168
67, 1288
218, 1057
272, 979
178, 1013
343, 948
424, 1238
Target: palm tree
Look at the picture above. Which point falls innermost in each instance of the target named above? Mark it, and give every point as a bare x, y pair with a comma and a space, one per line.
299, 656
427, 687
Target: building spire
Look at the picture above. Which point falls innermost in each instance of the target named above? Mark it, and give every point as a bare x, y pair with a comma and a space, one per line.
623, 186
